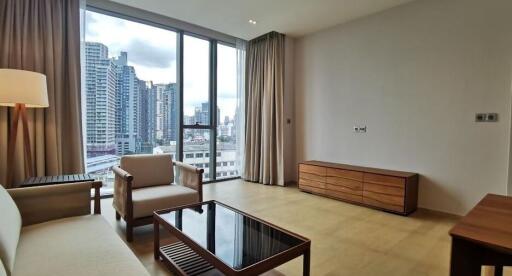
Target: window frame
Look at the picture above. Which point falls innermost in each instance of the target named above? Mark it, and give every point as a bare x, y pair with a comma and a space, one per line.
126, 13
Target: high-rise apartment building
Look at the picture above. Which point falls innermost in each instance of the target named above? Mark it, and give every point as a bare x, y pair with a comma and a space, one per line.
202, 114
166, 112
147, 116
152, 100
127, 106
170, 115
100, 87
160, 106
143, 112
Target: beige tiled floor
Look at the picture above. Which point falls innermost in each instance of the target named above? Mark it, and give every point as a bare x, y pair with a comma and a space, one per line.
346, 239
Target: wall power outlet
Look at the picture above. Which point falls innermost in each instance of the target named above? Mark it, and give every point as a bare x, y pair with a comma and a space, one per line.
360, 129
486, 117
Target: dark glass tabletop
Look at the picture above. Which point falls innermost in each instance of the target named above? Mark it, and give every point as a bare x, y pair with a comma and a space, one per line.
233, 237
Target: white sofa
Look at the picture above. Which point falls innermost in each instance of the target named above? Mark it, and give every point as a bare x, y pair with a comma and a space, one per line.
49, 230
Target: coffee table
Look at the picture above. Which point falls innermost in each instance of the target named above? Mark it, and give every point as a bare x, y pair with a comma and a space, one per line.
215, 238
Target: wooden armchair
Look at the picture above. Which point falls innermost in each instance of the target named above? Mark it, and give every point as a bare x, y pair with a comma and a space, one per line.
145, 183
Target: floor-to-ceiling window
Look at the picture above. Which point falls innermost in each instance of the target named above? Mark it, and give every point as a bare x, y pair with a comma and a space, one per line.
130, 91
197, 119
228, 119
136, 99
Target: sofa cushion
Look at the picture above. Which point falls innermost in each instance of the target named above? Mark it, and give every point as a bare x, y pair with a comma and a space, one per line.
147, 200
148, 169
9, 230
83, 245
2, 269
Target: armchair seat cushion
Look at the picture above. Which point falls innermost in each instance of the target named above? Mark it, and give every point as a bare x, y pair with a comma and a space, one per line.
149, 199
83, 245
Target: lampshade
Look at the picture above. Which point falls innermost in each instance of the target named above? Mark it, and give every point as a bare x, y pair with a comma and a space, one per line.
23, 87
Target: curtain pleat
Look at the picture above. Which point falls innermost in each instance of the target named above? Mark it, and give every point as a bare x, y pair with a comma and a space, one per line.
44, 36
264, 160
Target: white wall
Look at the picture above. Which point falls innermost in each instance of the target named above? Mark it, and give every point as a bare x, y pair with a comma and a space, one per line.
415, 75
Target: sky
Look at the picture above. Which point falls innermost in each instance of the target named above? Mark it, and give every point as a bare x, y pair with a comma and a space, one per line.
152, 52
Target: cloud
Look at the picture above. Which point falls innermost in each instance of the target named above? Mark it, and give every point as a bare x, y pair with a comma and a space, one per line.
90, 21
89, 18
146, 54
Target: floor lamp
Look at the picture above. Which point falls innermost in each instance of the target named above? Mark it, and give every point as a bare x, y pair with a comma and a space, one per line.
21, 89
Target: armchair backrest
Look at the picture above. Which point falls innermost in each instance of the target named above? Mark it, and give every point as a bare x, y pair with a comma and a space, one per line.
148, 169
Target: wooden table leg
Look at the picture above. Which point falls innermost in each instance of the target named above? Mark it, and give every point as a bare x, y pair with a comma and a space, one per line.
156, 237
465, 258
306, 262
97, 202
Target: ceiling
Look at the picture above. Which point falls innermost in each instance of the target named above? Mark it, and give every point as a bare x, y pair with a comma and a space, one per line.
291, 17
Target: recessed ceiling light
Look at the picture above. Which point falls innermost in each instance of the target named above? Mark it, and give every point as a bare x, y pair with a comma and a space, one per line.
252, 21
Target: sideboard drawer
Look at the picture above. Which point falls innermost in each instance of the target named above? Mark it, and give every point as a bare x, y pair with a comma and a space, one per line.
314, 190
311, 183
386, 199
310, 176
316, 170
344, 196
384, 180
384, 189
379, 204
342, 184
354, 175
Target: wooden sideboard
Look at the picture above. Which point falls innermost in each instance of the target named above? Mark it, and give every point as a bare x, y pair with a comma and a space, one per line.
392, 191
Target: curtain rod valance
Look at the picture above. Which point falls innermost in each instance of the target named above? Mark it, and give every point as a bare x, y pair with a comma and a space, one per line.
269, 35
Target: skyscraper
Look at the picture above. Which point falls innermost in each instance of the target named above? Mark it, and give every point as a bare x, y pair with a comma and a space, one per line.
127, 106
152, 100
143, 112
100, 86
160, 106
202, 114
169, 113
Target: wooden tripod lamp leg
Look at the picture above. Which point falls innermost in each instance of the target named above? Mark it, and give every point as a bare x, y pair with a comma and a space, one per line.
12, 144
19, 110
26, 140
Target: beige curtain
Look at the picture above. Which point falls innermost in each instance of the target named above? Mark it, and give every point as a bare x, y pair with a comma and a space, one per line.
44, 36
264, 161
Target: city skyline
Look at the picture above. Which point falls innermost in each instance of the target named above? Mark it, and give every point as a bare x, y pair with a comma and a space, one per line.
129, 115
152, 52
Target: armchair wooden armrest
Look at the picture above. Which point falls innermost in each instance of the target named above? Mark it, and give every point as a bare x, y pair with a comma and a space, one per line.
190, 176
44, 203
122, 193
122, 173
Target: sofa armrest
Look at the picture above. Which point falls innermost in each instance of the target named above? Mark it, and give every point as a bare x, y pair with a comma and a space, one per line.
190, 176
45, 203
